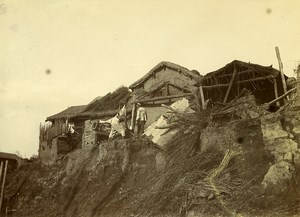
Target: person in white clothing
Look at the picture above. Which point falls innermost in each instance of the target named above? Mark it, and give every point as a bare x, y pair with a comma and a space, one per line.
118, 124
141, 119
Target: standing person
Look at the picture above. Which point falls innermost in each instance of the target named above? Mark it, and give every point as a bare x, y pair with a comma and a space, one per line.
118, 124
141, 118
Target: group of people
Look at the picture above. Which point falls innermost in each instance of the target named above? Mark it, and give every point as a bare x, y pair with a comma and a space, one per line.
119, 122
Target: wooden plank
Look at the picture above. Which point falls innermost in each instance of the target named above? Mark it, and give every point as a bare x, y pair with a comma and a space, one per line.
230, 84
282, 96
163, 98
3, 184
281, 70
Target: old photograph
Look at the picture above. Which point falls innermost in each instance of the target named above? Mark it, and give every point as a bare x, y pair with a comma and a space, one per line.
149, 108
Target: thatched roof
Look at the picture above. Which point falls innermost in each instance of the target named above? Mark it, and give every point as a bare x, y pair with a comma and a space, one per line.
105, 106
191, 74
245, 71
67, 113
109, 104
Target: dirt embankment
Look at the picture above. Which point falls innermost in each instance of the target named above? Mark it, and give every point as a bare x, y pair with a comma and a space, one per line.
83, 182
225, 170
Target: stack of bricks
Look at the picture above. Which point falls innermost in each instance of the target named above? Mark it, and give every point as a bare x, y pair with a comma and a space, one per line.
89, 137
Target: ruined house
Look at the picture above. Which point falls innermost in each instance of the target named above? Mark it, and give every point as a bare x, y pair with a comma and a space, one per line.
165, 83
78, 127
55, 137
228, 82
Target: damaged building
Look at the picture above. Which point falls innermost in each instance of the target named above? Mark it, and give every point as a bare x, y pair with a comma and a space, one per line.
78, 126
61, 133
234, 91
228, 82
165, 83
213, 148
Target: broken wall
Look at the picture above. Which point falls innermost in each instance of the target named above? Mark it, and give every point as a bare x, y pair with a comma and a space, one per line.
246, 139
51, 149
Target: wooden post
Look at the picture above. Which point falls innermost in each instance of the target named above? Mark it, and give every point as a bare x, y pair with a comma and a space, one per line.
230, 84
202, 96
276, 90
3, 185
1, 168
281, 70
133, 113
168, 91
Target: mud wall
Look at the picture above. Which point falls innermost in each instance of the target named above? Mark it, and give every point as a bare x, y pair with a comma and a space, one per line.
50, 150
246, 138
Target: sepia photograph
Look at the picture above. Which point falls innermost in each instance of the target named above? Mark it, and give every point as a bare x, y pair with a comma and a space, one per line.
149, 108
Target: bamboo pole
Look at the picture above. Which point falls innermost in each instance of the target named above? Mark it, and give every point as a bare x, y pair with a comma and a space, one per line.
281, 70
230, 84
3, 185
282, 96
276, 90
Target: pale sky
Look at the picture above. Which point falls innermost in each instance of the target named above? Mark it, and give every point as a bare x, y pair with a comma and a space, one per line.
94, 46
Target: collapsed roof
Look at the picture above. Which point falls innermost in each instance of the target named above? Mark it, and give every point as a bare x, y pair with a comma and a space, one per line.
260, 80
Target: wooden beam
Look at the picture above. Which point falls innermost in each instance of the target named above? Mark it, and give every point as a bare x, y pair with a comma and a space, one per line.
167, 89
163, 98
268, 77
215, 86
180, 88
230, 84
239, 82
240, 73
276, 90
281, 70
1, 168
3, 184
282, 96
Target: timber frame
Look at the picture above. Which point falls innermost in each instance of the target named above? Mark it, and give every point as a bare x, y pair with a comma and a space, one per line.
227, 82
